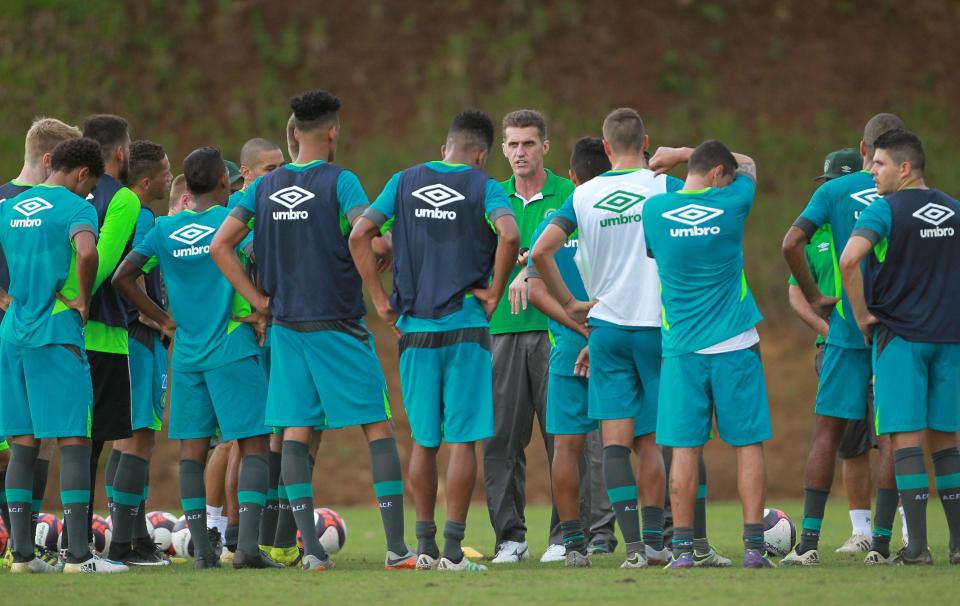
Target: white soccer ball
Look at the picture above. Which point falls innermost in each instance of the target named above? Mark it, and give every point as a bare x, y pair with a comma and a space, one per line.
182, 543
779, 533
162, 525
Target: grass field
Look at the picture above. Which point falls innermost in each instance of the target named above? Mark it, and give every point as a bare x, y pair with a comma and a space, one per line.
359, 577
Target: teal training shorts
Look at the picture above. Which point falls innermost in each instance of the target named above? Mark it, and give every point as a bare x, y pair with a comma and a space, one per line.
148, 380
447, 384
844, 382
917, 385
229, 397
625, 375
327, 377
696, 387
45, 391
568, 402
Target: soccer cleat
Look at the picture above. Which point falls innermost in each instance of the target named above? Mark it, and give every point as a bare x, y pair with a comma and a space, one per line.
464, 565
94, 565
686, 560
51, 557
206, 562
288, 556
427, 562
711, 559
216, 540
753, 558
260, 560
34, 566
902, 559
657, 557
314, 564
575, 559
875, 558
554, 553
392, 561
599, 547
511, 552
634, 560
857, 543
134, 557
810, 557
955, 556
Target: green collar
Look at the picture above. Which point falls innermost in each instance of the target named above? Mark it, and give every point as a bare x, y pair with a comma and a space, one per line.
694, 191
549, 186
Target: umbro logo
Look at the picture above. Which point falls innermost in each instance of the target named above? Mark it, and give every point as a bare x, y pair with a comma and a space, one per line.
291, 197
823, 247
620, 201
693, 215
191, 234
866, 196
437, 195
935, 214
28, 208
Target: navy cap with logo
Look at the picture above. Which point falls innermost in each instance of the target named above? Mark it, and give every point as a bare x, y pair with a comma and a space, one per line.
841, 162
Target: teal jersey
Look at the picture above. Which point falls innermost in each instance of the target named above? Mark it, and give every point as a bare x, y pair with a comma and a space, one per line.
471, 315
235, 198
565, 344
696, 238
37, 229
202, 302
839, 202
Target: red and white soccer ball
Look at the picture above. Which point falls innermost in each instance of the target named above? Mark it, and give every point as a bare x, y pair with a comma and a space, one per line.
4, 537
102, 533
331, 530
779, 533
161, 524
49, 528
180, 540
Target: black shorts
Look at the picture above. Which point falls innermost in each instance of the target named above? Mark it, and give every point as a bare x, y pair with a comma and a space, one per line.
112, 398
859, 436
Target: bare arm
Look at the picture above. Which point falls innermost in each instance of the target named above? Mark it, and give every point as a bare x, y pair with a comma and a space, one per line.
805, 312
225, 242
544, 260
543, 301
506, 257
126, 281
793, 246
87, 260
361, 241
857, 248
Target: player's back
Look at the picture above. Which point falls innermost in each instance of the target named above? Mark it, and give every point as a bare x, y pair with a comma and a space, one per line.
107, 306
8, 190
37, 227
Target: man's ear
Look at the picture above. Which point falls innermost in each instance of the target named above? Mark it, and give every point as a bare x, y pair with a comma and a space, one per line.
863, 148
546, 146
443, 151
45, 161
482, 158
573, 177
82, 174
646, 143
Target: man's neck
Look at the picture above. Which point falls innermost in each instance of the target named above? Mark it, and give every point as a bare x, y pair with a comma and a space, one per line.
913, 183
311, 152
528, 187
629, 161
29, 175
142, 196
202, 203
56, 180
695, 182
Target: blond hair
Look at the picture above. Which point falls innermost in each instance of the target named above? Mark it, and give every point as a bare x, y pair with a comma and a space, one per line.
44, 135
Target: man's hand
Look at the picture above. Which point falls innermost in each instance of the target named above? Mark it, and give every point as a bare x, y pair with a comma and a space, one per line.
523, 256
578, 310
150, 323
383, 252
823, 327
519, 292
866, 324
5, 300
258, 321
78, 305
168, 328
389, 315
262, 304
666, 158
488, 299
824, 306
581, 367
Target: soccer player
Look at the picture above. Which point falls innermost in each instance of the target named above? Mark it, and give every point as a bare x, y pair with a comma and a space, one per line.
236, 178
521, 349
904, 302
257, 157
846, 370
42, 138
624, 320
149, 178
216, 377
711, 355
310, 286
53, 231
445, 252
179, 195
858, 438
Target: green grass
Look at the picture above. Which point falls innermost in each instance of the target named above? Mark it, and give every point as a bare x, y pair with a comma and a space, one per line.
359, 577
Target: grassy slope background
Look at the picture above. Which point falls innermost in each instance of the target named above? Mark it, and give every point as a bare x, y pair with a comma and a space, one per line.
784, 81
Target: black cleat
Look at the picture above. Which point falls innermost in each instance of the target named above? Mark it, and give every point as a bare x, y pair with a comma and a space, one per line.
260, 560
205, 562
125, 554
902, 559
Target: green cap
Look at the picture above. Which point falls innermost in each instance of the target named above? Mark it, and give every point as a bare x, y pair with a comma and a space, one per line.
233, 171
841, 162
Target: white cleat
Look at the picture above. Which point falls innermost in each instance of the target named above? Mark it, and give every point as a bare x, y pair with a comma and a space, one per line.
425, 562
34, 566
634, 560
464, 565
95, 564
511, 552
657, 557
875, 558
857, 543
809, 558
554, 553
711, 559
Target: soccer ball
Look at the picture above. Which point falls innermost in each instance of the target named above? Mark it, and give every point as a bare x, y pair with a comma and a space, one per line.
161, 525
102, 533
180, 540
331, 530
4, 538
779, 533
48, 532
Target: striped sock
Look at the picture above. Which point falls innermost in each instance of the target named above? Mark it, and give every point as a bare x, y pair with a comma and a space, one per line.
193, 498
700, 541
914, 491
946, 463
40, 470
296, 474
127, 494
814, 503
19, 488
573, 537
252, 495
388, 486
887, 499
753, 537
622, 492
682, 541
271, 510
75, 495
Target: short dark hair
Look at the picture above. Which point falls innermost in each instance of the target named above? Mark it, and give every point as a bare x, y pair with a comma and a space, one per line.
588, 158
473, 129
108, 131
708, 155
202, 169
146, 158
903, 146
75, 153
314, 109
878, 125
623, 129
253, 148
524, 118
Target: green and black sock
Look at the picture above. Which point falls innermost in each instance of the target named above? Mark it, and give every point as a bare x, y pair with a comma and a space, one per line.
140, 533
653, 527
388, 486
453, 533
75, 490
40, 470
753, 537
4, 510
622, 492
946, 464
887, 500
193, 498
271, 510
682, 541
427, 538
19, 488
252, 494
286, 535
700, 542
914, 491
573, 537
127, 495
109, 473
296, 474
814, 503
